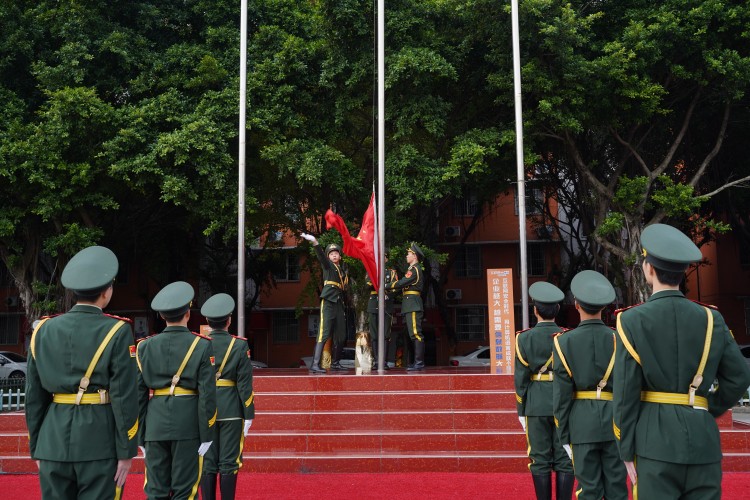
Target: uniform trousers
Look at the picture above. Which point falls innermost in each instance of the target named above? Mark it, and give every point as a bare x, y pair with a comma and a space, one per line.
414, 324
225, 454
599, 471
666, 481
332, 322
173, 466
90, 480
374, 326
545, 449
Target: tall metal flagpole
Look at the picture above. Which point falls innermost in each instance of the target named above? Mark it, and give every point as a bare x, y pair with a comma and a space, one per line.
241, 176
519, 165
382, 355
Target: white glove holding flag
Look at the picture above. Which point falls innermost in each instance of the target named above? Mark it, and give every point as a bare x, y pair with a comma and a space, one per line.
523, 422
203, 448
309, 237
248, 424
567, 449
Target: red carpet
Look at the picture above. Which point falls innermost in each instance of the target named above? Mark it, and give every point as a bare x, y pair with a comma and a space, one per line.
435, 486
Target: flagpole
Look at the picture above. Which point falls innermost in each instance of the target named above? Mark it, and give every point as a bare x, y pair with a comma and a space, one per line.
241, 175
519, 166
382, 355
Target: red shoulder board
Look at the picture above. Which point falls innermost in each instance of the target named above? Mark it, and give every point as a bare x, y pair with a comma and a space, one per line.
201, 336
710, 306
618, 311
127, 320
519, 332
562, 330
146, 338
51, 316
238, 338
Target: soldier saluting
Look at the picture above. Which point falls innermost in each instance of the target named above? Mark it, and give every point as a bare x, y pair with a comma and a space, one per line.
669, 352
178, 422
81, 400
582, 392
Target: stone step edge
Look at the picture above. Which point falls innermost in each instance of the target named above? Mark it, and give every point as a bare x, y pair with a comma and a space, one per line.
416, 392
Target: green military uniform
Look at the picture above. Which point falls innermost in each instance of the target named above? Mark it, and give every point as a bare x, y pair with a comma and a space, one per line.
372, 310
234, 400
669, 352
582, 393
177, 365
412, 309
533, 384
332, 308
79, 443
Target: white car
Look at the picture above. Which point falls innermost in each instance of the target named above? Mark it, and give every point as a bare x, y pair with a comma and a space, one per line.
478, 357
12, 365
347, 360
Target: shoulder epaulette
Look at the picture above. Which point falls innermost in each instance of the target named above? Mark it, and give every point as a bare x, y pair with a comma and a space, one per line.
138, 341
519, 332
51, 316
201, 336
238, 338
618, 311
562, 330
710, 306
120, 318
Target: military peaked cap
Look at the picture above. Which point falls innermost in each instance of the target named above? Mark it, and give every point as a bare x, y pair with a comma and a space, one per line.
174, 299
91, 269
591, 288
414, 248
333, 247
667, 248
218, 308
546, 293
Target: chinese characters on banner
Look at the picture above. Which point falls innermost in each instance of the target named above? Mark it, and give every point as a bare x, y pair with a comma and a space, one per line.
501, 320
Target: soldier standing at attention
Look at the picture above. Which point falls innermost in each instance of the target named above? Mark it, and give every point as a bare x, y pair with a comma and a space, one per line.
332, 297
582, 393
372, 310
412, 309
533, 381
234, 400
669, 352
177, 423
81, 400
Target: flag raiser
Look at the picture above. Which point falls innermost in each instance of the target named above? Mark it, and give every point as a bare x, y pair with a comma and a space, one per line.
365, 246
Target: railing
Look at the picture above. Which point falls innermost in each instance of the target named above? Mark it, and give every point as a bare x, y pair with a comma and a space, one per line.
12, 395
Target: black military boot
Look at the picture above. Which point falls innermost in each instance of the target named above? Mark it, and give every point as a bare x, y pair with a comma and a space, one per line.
228, 485
418, 357
543, 486
208, 487
336, 357
564, 485
315, 367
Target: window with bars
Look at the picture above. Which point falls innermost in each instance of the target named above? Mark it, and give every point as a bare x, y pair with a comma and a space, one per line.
9, 326
534, 201
535, 260
288, 269
463, 207
285, 327
471, 323
468, 262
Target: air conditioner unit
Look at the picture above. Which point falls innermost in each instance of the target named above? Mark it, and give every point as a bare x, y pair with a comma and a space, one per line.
452, 231
12, 301
453, 294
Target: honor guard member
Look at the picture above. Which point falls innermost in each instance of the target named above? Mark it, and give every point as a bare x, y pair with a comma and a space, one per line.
372, 310
234, 400
670, 350
412, 309
533, 381
81, 400
332, 298
178, 422
582, 392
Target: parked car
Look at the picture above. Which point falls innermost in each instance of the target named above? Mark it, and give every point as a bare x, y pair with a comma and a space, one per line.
347, 360
478, 357
258, 364
12, 365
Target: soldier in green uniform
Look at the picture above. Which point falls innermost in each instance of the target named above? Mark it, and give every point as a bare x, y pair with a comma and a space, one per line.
178, 422
332, 304
412, 309
582, 393
81, 400
372, 310
669, 352
533, 381
234, 400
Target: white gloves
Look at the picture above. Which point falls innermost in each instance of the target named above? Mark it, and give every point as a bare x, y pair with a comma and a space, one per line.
567, 449
523, 422
248, 424
143, 450
309, 237
203, 448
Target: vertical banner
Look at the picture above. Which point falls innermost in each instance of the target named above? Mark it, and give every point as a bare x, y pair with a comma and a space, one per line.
501, 322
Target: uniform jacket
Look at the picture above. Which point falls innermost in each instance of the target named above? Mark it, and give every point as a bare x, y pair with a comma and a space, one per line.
61, 351
372, 304
174, 418
533, 350
659, 347
335, 273
581, 359
413, 281
238, 401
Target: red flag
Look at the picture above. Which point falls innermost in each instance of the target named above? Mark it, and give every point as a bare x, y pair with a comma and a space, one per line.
364, 246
